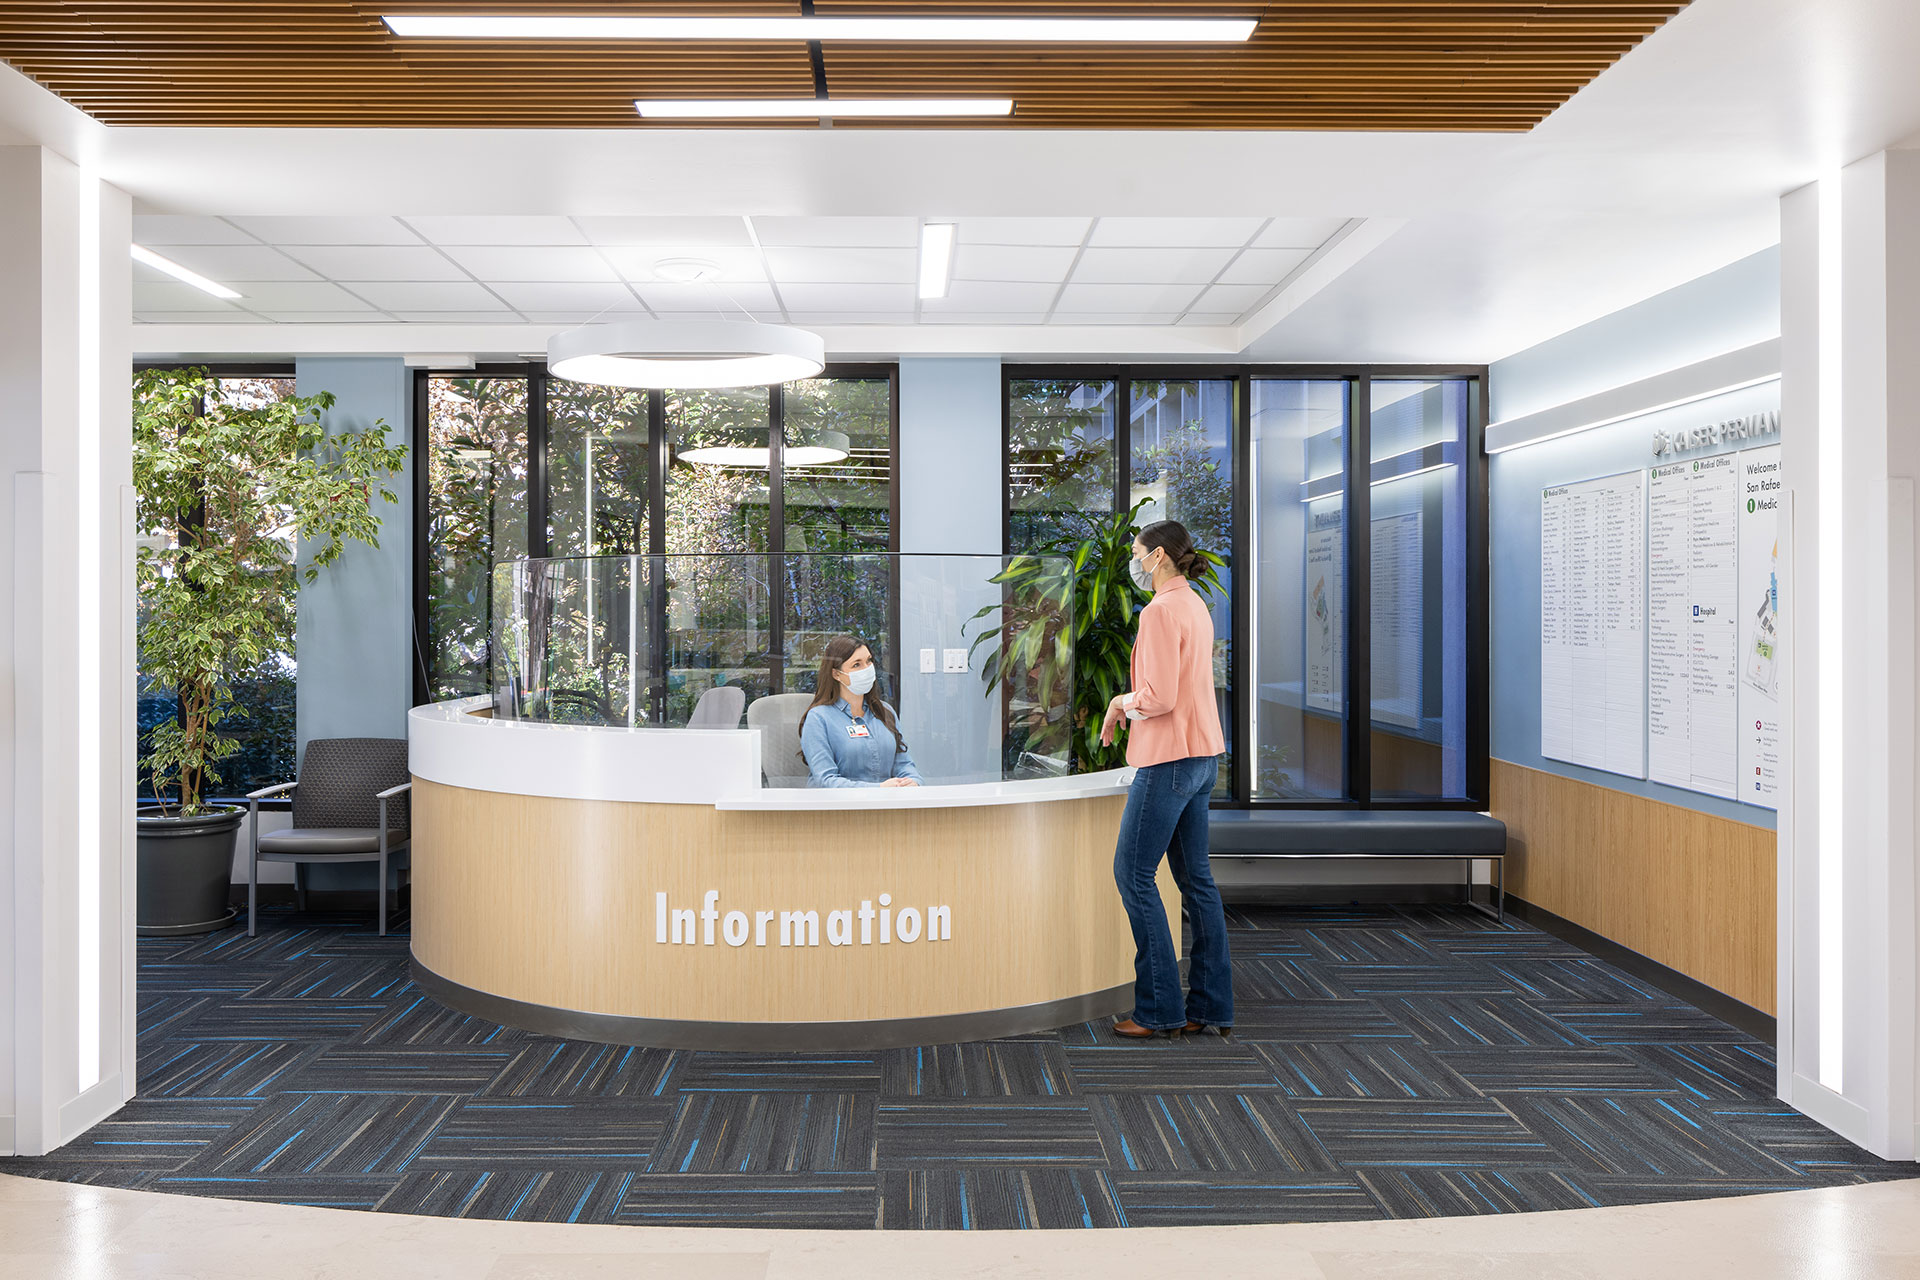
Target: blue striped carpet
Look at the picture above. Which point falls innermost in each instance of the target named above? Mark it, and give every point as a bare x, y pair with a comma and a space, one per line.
1387, 1063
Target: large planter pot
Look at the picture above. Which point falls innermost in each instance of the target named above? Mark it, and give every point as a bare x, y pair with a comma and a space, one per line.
186, 867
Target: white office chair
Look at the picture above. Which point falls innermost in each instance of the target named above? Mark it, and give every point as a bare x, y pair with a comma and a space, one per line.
719, 708
777, 717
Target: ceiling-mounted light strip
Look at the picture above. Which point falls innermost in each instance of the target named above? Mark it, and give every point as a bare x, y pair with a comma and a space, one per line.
1036, 30
936, 258
180, 273
818, 108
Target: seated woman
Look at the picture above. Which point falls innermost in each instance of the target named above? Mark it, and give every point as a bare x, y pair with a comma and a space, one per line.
848, 736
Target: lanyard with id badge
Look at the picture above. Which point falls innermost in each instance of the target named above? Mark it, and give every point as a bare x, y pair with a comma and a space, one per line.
856, 729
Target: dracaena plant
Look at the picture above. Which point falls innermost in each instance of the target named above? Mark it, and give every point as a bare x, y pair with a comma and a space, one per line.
1063, 638
231, 490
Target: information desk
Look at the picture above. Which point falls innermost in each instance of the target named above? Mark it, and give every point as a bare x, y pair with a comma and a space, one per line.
641, 886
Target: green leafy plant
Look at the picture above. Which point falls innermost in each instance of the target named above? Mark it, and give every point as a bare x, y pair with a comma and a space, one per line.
228, 487
1064, 643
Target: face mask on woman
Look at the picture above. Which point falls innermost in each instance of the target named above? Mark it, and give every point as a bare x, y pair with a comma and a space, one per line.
1142, 576
862, 680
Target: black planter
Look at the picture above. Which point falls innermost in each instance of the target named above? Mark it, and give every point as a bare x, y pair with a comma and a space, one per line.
186, 867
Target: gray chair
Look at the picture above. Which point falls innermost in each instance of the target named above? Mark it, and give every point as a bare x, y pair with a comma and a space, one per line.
719, 708
777, 717
349, 805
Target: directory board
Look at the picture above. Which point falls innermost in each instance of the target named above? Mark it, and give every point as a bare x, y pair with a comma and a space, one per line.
1762, 634
1693, 626
1593, 690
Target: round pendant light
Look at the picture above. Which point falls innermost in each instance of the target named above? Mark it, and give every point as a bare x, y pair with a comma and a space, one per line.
821, 449
690, 355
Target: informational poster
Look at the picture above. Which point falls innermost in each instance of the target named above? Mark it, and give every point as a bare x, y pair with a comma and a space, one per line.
1326, 597
1693, 607
1593, 708
1761, 633
1397, 608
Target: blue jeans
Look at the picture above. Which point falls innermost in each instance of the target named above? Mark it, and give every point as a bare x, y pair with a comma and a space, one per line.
1167, 814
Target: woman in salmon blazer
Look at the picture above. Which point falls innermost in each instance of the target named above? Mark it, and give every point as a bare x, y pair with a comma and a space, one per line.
1174, 743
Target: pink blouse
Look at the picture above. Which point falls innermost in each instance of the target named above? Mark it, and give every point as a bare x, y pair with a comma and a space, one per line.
1171, 711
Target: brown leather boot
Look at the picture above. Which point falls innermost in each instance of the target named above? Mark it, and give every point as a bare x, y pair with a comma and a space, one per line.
1134, 1031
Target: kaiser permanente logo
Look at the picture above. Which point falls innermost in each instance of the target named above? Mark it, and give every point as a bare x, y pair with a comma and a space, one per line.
673, 924
1751, 427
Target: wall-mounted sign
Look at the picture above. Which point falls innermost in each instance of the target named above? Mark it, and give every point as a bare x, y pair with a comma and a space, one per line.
800, 928
1753, 426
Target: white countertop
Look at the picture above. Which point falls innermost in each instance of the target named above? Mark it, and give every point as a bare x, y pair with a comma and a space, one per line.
451, 745
1113, 782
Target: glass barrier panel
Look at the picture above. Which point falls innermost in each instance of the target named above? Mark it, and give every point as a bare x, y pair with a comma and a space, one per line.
975, 653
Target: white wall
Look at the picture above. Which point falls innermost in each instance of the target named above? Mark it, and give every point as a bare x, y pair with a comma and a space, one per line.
66, 655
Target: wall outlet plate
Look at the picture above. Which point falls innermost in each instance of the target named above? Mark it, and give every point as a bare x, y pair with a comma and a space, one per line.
928, 663
956, 662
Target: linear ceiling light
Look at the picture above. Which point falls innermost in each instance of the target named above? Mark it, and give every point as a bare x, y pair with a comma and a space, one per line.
936, 258
819, 108
1078, 30
178, 272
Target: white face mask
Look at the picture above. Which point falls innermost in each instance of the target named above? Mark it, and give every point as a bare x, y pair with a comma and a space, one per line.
1142, 576
862, 680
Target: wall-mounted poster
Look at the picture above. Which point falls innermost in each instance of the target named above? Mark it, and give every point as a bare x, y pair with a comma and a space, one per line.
1761, 632
1397, 608
1593, 668
1693, 636
1326, 598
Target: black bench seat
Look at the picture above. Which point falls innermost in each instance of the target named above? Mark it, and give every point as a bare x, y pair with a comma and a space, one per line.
1365, 833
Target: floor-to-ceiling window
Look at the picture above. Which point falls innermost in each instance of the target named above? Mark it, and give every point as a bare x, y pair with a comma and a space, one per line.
1350, 652
264, 729
762, 517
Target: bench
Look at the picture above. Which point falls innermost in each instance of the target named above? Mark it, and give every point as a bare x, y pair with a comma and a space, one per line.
1367, 833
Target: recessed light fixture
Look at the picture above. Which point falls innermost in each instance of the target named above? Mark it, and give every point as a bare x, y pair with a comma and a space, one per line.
936, 258
818, 108
1077, 30
180, 273
686, 270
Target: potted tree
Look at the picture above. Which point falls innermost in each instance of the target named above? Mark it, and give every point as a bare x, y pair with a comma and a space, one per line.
229, 488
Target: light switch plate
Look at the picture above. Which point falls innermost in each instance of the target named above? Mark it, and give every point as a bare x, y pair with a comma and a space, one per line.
928, 662
956, 662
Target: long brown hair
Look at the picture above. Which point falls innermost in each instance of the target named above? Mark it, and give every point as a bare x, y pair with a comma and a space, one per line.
826, 690
1172, 537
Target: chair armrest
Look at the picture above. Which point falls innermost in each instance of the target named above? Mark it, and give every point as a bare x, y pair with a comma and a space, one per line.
390, 792
263, 792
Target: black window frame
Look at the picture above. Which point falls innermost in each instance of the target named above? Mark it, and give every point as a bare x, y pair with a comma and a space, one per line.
1359, 379
659, 455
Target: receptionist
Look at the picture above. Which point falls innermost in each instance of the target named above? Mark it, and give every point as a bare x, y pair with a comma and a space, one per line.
849, 736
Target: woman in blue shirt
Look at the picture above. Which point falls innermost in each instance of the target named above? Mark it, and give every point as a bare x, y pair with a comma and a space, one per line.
848, 736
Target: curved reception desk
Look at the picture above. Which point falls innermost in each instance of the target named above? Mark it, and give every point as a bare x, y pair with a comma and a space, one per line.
641, 886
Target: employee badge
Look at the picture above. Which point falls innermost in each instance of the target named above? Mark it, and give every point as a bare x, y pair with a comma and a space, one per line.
858, 731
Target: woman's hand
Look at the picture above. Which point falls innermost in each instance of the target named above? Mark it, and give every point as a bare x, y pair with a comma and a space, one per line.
1116, 712
901, 782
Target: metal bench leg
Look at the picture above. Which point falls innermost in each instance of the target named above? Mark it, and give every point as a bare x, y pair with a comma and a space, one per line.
1473, 900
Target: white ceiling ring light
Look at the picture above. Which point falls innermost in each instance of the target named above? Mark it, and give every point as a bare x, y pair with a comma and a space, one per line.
979, 30
690, 355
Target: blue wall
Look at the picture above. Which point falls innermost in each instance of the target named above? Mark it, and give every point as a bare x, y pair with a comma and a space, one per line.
355, 622
952, 490
1732, 308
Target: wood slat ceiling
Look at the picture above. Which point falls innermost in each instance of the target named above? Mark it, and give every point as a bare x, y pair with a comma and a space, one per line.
1312, 64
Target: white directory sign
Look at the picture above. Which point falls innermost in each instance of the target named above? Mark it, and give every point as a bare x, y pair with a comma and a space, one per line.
1326, 598
1593, 623
1761, 632
1397, 606
1693, 608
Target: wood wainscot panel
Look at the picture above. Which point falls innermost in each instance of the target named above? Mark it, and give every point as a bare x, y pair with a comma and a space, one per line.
1687, 889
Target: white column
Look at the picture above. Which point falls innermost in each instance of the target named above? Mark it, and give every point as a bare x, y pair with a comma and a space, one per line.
66, 652
1851, 453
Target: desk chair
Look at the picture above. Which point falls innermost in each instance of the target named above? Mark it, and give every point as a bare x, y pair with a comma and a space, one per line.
349, 805
777, 716
719, 708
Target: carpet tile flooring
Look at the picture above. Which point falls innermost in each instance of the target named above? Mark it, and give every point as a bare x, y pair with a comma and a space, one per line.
1387, 1063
